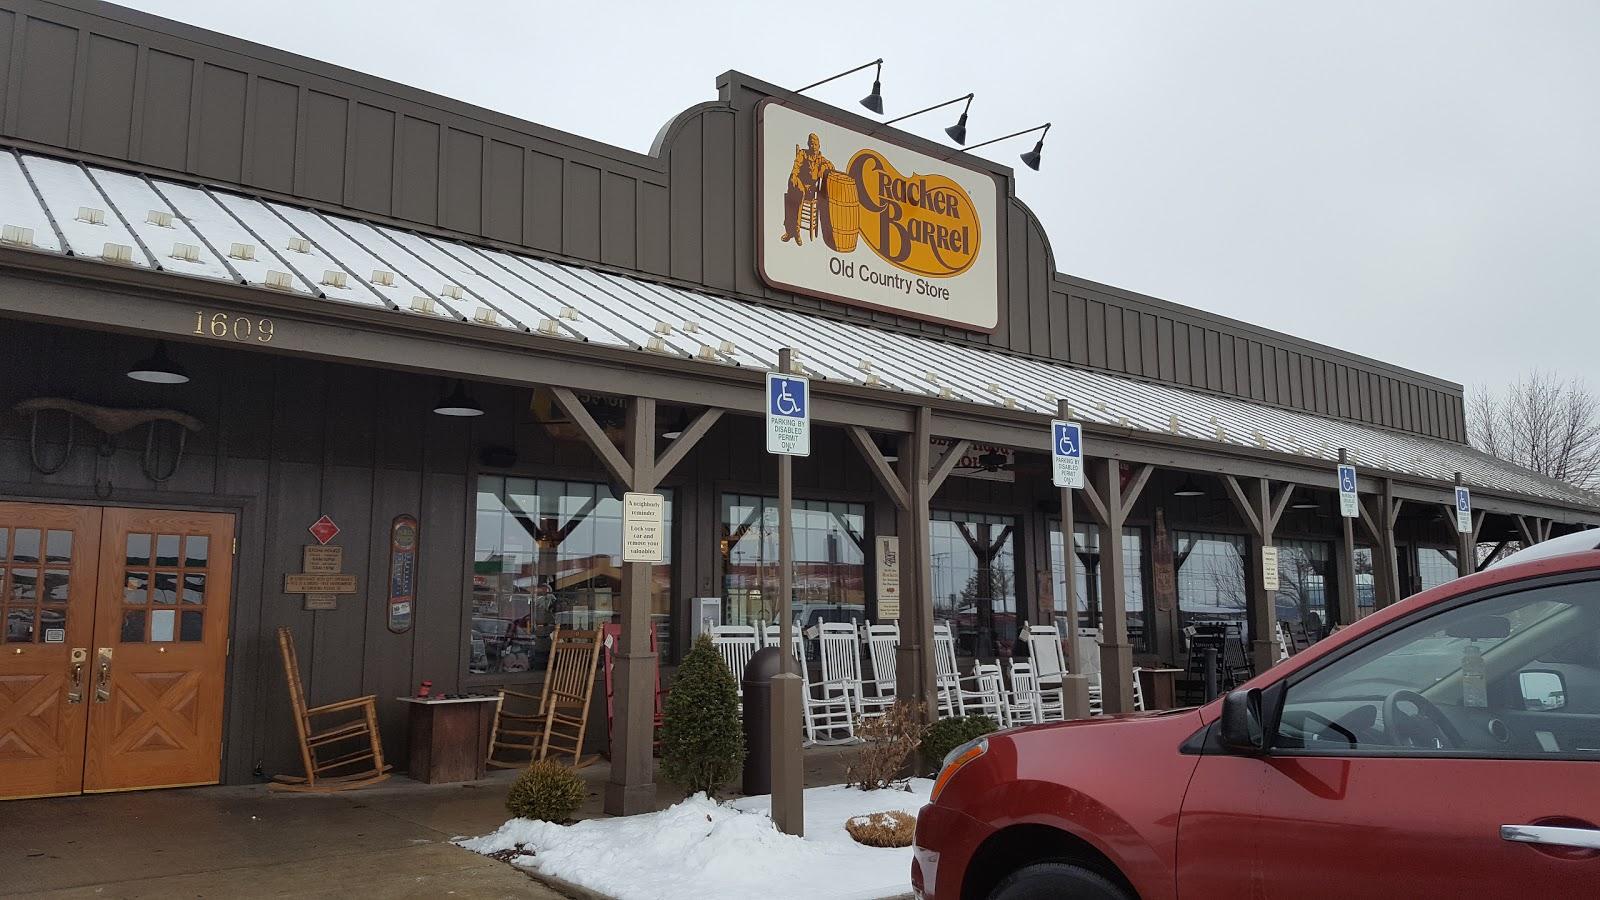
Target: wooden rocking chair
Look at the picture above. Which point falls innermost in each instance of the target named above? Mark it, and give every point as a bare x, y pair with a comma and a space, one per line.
562, 714
363, 729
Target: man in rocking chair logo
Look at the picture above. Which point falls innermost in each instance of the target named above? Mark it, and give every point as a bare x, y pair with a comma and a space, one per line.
890, 228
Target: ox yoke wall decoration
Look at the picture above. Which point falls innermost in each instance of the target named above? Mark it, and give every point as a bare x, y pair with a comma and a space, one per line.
858, 219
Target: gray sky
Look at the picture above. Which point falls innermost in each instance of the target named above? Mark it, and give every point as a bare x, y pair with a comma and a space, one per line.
1415, 181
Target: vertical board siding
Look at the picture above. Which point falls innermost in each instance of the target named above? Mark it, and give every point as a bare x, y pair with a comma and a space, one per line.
106, 126
107, 84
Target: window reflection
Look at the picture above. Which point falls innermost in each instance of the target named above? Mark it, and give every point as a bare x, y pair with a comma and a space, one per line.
975, 580
547, 553
1303, 586
1366, 582
1086, 576
829, 561
1435, 566
1211, 585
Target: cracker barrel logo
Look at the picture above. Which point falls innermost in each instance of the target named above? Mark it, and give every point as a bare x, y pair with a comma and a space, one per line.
923, 224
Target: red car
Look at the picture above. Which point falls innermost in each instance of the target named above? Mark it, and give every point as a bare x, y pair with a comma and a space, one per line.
1448, 746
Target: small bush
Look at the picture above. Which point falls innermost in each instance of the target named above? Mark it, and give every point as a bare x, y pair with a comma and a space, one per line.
885, 829
702, 742
947, 734
547, 791
890, 740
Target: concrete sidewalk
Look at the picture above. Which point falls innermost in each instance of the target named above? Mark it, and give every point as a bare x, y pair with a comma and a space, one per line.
391, 840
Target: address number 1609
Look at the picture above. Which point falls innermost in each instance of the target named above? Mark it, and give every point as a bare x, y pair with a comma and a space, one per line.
238, 328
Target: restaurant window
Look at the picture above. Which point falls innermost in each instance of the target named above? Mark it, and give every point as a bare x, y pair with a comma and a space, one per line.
548, 553
1366, 582
1302, 597
1435, 566
1211, 586
829, 581
975, 580
1086, 574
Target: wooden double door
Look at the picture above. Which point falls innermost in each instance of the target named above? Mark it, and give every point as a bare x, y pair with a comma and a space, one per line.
113, 651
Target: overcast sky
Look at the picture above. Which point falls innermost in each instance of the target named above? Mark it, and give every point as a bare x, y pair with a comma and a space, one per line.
1414, 181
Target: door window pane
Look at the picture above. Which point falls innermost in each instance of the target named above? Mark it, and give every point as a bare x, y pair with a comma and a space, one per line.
5, 544
167, 550
545, 553
166, 588
191, 625
58, 546
138, 549
133, 626
194, 588
52, 624
975, 580
24, 586
27, 546
196, 551
163, 623
829, 583
136, 588
56, 583
19, 625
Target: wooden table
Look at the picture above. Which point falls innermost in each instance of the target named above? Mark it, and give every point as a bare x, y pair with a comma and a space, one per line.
449, 738
1160, 687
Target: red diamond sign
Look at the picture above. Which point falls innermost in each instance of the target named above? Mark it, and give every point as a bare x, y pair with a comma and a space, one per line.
324, 530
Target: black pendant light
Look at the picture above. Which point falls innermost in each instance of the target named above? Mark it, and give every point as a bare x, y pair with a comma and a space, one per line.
872, 101
676, 430
158, 368
1189, 488
888, 447
458, 404
1304, 500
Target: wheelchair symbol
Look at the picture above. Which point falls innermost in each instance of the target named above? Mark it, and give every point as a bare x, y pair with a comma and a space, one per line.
1064, 443
1463, 501
1347, 481
784, 403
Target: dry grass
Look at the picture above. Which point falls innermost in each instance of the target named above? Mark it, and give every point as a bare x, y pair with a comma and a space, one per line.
884, 829
889, 740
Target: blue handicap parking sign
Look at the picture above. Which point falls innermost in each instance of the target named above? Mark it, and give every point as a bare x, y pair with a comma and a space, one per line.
1347, 479
1068, 440
787, 397
1463, 500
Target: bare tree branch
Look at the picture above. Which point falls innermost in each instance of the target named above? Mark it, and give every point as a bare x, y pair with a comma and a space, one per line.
1543, 422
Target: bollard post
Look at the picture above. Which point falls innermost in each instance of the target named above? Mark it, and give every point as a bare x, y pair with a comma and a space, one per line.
1211, 673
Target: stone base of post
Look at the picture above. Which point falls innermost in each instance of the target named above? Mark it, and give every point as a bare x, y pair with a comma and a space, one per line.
1075, 696
788, 762
629, 799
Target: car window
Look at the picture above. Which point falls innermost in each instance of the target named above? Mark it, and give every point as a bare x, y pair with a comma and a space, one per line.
1507, 676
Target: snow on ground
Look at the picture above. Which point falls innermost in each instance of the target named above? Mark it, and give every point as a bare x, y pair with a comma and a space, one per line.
700, 850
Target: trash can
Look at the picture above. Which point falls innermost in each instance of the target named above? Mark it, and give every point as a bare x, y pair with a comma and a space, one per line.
758, 675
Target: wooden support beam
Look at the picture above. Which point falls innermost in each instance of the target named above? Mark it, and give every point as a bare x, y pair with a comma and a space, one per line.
1091, 496
1493, 555
630, 788
1528, 538
1279, 504
946, 464
685, 442
1136, 485
596, 437
879, 467
1116, 654
1241, 503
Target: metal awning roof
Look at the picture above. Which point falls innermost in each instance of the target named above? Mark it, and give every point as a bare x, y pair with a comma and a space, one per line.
60, 207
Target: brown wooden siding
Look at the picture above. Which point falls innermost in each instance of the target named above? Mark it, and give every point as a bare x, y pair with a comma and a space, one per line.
130, 89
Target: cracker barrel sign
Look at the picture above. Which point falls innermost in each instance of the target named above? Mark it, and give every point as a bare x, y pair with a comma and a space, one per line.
863, 221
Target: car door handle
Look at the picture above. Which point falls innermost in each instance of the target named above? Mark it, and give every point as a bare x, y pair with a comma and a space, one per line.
1581, 838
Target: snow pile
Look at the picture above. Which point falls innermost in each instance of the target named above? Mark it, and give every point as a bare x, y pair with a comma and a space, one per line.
707, 851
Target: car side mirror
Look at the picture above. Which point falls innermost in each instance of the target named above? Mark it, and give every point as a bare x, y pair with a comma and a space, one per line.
1543, 690
1242, 728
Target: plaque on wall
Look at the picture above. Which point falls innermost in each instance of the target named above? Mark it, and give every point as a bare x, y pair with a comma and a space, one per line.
402, 572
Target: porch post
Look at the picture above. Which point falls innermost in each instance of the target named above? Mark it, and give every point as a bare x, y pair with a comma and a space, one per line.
1391, 550
631, 789
1261, 509
1110, 505
916, 655
1349, 605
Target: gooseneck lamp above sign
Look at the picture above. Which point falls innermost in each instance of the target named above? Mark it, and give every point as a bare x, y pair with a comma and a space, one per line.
1031, 158
872, 101
958, 131
458, 403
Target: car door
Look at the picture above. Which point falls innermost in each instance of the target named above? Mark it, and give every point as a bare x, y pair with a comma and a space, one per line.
1407, 765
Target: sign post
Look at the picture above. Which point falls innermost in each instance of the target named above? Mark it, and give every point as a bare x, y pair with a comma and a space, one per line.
1066, 456
1349, 510
788, 436
1466, 536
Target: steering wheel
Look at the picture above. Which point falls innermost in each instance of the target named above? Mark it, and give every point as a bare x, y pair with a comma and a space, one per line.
1427, 728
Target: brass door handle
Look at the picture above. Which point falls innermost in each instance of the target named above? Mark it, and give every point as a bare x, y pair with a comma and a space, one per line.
80, 655
102, 689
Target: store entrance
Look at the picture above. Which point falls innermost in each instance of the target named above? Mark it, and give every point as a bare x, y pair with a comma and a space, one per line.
114, 649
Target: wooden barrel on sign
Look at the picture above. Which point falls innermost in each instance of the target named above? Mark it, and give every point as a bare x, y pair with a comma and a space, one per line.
842, 222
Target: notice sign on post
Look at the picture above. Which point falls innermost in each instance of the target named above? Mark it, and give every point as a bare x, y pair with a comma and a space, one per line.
788, 414
1269, 567
888, 577
1349, 504
1463, 511
1066, 452
644, 528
